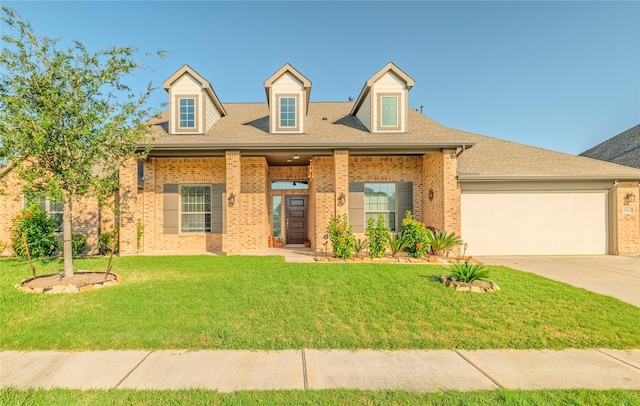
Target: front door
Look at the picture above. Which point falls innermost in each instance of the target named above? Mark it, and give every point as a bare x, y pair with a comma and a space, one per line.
296, 219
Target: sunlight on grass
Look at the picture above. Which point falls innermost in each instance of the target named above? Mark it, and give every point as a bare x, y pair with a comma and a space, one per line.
207, 302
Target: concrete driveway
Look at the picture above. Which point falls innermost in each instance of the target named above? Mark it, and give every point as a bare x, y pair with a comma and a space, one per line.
616, 276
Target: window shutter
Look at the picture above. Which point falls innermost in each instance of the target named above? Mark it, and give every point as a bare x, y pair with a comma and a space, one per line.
356, 206
405, 202
217, 208
170, 208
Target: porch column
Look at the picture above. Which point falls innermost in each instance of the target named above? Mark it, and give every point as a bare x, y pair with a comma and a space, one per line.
231, 240
627, 220
341, 182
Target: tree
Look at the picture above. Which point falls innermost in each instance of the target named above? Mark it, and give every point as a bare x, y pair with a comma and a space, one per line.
67, 117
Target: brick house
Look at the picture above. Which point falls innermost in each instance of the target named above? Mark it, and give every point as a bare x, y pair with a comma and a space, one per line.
225, 177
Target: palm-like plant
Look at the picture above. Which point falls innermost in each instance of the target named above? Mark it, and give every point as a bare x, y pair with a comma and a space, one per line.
397, 242
469, 272
442, 241
360, 246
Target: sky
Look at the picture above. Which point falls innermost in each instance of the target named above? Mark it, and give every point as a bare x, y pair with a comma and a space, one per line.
561, 75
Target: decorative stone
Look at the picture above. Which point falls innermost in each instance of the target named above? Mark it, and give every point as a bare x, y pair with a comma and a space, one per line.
38, 290
494, 286
463, 288
70, 289
108, 283
476, 289
25, 289
97, 286
57, 288
87, 288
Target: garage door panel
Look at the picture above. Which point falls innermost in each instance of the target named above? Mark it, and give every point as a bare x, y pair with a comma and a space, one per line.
536, 223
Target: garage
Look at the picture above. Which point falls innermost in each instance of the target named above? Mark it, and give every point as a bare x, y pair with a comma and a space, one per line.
534, 222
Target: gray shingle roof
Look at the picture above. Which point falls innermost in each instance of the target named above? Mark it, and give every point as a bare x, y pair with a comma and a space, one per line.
623, 149
330, 125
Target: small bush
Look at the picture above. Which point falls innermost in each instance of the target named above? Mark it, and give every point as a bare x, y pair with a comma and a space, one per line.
78, 244
469, 272
39, 230
341, 235
378, 233
397, 242
105, 242
360, 246
416, 236
441, 241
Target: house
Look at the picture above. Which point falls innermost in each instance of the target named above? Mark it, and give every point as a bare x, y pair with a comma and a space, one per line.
224, 177
623, 149
89, 218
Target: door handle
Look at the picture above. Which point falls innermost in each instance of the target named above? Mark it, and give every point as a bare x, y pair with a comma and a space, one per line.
287, 224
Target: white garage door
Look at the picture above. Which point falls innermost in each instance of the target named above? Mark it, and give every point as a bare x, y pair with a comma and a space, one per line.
534, 223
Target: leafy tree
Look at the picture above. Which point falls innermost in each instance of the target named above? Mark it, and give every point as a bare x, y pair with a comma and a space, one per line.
67, 117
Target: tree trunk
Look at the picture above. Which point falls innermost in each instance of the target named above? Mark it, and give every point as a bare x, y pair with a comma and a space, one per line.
67, 249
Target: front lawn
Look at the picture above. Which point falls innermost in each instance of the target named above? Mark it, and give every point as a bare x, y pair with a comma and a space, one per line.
66, 397
207, 302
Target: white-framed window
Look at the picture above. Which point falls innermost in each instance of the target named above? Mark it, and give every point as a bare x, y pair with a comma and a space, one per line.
187, 113
287, 112
380, 198
195, 208
53, 209
389, 111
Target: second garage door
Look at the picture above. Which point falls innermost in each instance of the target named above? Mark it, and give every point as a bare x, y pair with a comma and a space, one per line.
534, 223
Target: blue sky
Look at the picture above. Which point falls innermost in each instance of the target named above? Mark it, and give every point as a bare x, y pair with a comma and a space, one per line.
559, 75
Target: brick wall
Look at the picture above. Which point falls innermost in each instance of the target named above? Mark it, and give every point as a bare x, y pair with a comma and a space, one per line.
11, 202
321, 197
231, 240
254, 218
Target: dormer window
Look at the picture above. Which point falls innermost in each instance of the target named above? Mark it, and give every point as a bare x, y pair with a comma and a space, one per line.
389, 111
188, 113
288, 112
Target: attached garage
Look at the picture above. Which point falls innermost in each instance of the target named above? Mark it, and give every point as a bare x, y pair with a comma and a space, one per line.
540, 222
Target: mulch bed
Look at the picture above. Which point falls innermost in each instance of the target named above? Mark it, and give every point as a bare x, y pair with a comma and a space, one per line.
78, 279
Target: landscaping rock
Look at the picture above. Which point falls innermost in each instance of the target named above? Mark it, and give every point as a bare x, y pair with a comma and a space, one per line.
87, 288
38, 290
70, 289
57, 288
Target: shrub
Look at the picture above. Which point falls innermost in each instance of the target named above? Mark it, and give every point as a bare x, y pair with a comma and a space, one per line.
39, 231
78, 244
469, 272
105, 241
378, 233
341, 235
441, 241
360, 246
416, 236
397, 242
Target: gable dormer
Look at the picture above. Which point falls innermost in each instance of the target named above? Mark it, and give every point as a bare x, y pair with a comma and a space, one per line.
193, 105
288, 94
383, 102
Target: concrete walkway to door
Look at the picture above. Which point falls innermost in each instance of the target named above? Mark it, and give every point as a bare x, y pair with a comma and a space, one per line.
616, 276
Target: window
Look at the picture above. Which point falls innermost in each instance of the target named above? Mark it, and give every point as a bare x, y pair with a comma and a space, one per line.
277, 216
196, 208
53, 209
187, 113
389, 111
380, 198
288, 112
289, 185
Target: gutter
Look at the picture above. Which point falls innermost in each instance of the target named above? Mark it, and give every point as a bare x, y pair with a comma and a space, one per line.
515, 178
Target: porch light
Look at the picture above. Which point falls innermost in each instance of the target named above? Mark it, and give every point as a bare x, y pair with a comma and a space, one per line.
341, 199
630, 198
231, 200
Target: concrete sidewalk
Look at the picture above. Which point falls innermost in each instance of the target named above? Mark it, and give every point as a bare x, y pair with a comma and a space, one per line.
414, 370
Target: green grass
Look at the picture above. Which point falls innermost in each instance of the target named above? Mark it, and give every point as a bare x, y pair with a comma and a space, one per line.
207, 302
9, 396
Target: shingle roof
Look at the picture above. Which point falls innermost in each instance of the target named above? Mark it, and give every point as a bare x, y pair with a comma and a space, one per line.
623, 149
329, 125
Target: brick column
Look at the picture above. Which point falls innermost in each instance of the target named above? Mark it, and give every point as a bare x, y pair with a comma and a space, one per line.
341, 174
231, 241
128, 199
628, 218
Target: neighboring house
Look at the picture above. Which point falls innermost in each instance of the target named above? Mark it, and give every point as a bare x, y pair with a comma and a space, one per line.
623, 149
224, 177
89, 218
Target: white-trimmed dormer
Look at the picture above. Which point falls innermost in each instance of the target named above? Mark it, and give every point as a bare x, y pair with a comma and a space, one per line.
383, 102
193, 105
288, 94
